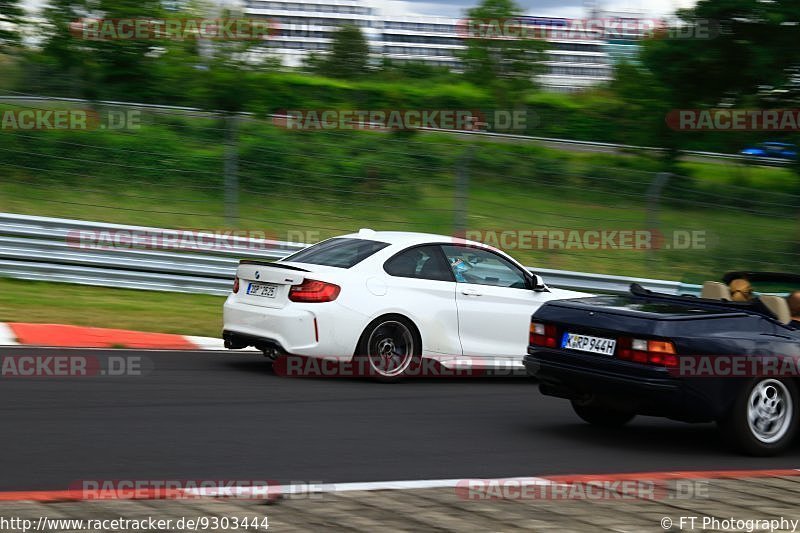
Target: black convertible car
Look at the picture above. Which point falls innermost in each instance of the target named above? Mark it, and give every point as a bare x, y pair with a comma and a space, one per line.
695, 359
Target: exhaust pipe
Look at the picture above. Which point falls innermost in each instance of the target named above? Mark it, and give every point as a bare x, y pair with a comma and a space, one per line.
269, 351
231, 343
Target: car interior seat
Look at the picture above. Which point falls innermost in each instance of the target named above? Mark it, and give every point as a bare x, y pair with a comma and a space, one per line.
714, 290
778, 306
435, 269
405, 266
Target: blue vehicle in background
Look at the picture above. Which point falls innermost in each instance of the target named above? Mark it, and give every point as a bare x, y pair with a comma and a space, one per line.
776, 150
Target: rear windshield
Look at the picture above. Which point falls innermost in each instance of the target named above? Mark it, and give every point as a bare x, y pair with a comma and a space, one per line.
339, 252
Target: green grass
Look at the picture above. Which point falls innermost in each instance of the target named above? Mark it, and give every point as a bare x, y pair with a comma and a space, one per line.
776, 179
735, 240
63, 303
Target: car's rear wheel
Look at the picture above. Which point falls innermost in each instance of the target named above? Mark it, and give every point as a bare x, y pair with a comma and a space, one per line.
599, 414
763, 420
390, 346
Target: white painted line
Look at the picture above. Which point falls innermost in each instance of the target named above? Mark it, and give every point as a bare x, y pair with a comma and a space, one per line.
257, 491
7, 337
422, 484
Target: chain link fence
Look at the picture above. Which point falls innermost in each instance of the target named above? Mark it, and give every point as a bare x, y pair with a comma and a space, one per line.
558, 209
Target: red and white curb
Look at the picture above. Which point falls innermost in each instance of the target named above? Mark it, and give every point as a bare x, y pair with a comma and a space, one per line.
65, 336
7, 337
275, 491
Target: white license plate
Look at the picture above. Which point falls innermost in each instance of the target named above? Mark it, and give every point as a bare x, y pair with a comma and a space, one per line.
585, 343
262, 289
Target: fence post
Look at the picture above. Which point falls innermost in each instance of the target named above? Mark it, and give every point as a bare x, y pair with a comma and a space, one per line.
462, 191
231, 166
653, 207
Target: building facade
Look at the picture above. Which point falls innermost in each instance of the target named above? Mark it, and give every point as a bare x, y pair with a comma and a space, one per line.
575, 58
303, 27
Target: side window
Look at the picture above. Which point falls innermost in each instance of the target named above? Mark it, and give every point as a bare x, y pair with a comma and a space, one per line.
482, 267
424, 262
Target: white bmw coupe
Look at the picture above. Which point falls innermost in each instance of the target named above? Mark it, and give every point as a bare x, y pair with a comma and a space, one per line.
391, 299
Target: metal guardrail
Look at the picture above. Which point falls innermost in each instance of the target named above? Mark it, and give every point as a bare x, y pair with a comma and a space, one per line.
584, 281
53, 249
62, 250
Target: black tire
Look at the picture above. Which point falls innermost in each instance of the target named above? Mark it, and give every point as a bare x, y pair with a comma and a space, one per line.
763, 419
597, 414
389, 349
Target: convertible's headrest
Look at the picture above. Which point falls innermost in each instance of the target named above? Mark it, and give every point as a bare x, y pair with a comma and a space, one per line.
714, 290
778, 306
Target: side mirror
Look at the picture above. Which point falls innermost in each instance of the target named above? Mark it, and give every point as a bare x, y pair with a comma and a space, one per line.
537, 283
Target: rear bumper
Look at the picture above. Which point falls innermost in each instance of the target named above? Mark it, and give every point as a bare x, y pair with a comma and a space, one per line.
645, 390
314, 330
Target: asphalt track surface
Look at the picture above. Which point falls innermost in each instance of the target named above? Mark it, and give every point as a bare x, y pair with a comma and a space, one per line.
226, 416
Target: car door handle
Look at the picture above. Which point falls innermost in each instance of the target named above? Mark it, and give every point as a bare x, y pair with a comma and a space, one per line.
470, 292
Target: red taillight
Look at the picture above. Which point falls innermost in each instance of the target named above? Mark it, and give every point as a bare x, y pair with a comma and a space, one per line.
650, 352
236, 284
313, 291
543, 335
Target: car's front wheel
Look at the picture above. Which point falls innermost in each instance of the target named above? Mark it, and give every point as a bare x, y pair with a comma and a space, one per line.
763, 420
598, 414
390, 346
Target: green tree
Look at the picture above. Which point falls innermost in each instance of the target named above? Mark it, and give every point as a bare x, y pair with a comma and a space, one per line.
125, 66
756, 46
349, 55
77, 62
230, 74
415, 70
510, 65
726, 51
10, 18
640, 121
58, 67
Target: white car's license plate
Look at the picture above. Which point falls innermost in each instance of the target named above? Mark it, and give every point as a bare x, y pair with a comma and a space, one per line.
585, 343
262, 289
